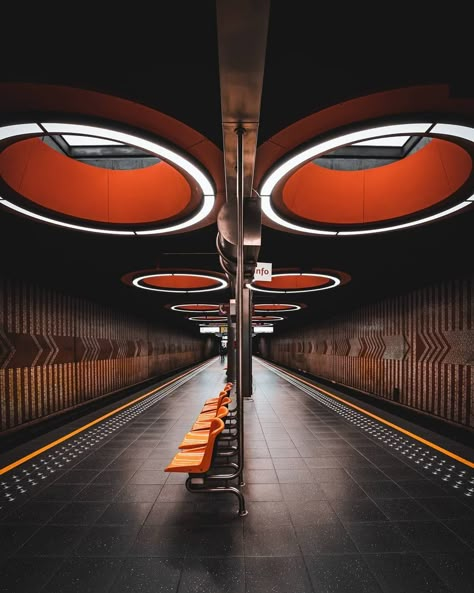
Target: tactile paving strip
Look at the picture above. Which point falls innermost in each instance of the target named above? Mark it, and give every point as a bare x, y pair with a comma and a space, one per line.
17, 484
440, 466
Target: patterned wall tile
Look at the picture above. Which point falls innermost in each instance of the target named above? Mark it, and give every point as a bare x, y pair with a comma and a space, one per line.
57, 351
416, 348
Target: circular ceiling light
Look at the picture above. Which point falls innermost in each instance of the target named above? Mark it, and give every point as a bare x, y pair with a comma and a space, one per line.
295, 282
259, 318
195, 308
275, 307
208, 318
431, 191
179, 282
190, 186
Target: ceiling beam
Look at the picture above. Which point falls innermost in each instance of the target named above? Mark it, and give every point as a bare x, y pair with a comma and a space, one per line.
242, 40
242, 29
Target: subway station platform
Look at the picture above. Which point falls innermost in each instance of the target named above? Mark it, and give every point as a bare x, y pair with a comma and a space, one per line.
339, 499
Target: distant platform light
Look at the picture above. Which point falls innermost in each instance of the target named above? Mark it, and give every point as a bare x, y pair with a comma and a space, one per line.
196, 308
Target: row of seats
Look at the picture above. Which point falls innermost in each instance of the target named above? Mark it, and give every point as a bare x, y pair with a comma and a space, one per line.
207, 449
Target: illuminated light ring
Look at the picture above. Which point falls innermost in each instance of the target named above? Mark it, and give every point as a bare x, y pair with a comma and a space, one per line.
136, 282
334, 279
292, 308
211, 308
209, 318
440, 129
258, 318
33, 129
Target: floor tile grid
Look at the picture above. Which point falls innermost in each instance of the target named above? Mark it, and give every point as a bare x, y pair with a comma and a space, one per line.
182, 402
42, 471
175, 537
285, 417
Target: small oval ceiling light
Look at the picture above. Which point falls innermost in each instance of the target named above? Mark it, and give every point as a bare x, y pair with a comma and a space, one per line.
208, 318
152, 282
275, 307
321, 282
195, 308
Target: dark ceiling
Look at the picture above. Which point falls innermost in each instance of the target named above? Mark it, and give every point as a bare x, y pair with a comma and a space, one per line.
171, 65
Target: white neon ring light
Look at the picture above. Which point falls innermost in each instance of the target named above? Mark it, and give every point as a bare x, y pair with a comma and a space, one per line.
136, 282
178, 308
440, 129
290, 307
34, 129
334, 279
271, 318
215, 319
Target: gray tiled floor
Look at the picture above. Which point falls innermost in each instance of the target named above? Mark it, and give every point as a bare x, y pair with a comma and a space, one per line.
332, 508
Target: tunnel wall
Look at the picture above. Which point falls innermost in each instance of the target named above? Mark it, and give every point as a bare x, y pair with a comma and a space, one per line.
58, 352
416, 349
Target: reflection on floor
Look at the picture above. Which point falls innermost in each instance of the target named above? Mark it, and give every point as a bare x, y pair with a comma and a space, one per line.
332, 507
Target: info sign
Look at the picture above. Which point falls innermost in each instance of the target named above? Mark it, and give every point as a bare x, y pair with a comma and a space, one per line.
263, 272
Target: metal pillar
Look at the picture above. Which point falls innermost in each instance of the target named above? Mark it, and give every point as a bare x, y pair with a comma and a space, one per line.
239, 296
247, 343
250, 342
242, 37
231, 350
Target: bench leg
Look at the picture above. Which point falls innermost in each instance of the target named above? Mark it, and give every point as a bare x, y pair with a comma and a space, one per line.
203, 488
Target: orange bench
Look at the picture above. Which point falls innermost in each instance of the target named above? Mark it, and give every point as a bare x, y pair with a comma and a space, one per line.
199, 451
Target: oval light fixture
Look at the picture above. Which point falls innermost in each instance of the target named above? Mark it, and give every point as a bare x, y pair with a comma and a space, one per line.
312, 282
17, 132
195, 308
172, 282
275, 307
451, 132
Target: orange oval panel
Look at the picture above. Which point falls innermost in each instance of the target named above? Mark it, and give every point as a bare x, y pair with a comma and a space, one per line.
180, 282
414, 183
56, 182
289, 282
265, 318
192, 308
274, 307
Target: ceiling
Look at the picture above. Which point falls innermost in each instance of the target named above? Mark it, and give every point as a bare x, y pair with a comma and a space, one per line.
172, 67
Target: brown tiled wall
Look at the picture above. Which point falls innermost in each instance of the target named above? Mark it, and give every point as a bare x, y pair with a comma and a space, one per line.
57, 351
420, 343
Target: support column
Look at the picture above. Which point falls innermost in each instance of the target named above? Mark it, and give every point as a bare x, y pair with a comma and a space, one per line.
247, 342
231, 348
239, 296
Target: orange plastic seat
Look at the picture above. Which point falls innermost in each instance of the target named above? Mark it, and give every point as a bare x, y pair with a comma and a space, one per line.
226, 390
222, 401
195, 438
205, 422
197, 460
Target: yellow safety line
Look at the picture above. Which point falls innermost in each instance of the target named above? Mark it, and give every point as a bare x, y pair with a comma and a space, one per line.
395, 426
7, 468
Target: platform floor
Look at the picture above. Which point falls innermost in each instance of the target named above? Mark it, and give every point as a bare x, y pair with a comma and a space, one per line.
338, 502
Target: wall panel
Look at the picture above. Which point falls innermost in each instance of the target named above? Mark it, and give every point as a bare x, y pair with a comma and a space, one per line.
57, 351
417, 348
